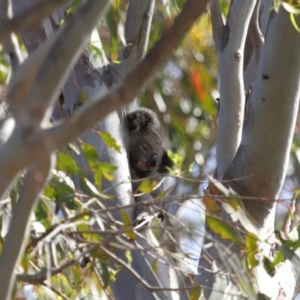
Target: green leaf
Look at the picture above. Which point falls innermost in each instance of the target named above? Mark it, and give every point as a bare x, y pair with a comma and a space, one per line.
127, 225
128, 256
225, 230
195, 293
235, 203
154, 265
292, 16
90, 154
107, 170
211, 205
291, 8
66, 163
62, 193
41, 213
102, 169
106, 167
278, 258
74, 148
147, 186
251, 250
109, 141
88, 188
111, 21
73, 7
269, 266
104, 272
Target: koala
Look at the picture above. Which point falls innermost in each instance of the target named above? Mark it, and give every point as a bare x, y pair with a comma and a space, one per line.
147, 156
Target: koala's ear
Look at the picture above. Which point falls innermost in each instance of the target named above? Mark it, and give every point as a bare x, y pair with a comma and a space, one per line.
165, 162
142, 118
132, 122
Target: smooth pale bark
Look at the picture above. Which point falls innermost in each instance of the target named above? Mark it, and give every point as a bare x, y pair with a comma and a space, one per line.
259, 167
230, 41
261, 162
253, 51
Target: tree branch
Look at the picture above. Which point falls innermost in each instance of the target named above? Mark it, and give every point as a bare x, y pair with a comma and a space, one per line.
34, 182
10, 44
41, 276
30, 17
217, 22
254, 30
54, 70
270, 123
232, 97
137, 29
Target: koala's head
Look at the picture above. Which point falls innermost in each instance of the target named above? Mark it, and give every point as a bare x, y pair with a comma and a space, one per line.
147, 155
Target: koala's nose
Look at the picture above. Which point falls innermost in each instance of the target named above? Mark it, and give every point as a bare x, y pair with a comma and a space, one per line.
152, 160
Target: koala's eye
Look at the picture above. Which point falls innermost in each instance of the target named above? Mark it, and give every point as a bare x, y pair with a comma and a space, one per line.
144, 148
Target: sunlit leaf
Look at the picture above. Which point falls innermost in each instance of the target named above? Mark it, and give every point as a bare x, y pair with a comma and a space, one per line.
147, 186
291, 8
195, 293
226, 231
90, 153
127, 225
73, 7
293, 20
235, 203
251, 250
65, 162
91, 190
128, 256
279, 257
211, 205
109, 141
74, 148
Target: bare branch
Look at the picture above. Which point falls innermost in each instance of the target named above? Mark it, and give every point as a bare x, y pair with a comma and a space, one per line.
35, 179
10, 44
54, 70
137, 29
29, 18
217, 22
254, 30
255, 40
232, 97
41, 276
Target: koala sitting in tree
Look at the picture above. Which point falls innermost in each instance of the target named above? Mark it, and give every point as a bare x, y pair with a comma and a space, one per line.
147, 156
